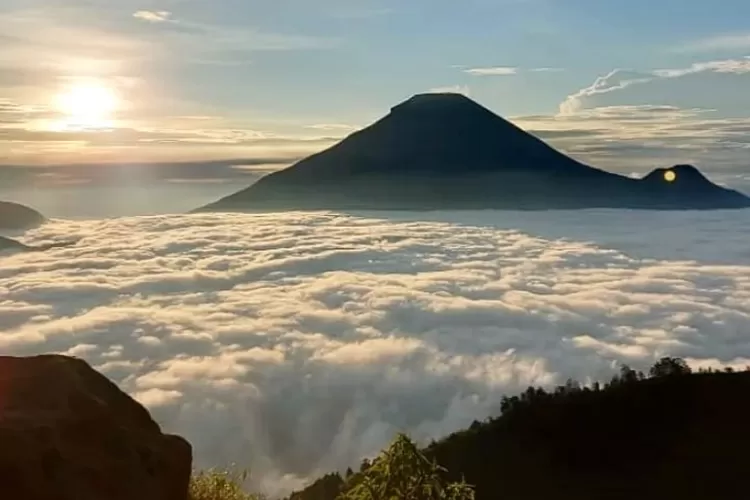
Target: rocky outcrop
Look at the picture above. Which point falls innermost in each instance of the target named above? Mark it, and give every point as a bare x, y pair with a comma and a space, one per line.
445, 151
69, 433
14, 216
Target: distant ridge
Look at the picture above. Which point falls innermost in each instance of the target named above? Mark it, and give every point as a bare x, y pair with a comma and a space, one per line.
446, 151
14, 216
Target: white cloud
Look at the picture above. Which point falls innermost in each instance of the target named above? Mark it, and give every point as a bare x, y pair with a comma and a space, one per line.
505, 70
153, 16
297, 343
614, 80
492, 71
719, 85
736, 66
642, 119
642, 137
341, 127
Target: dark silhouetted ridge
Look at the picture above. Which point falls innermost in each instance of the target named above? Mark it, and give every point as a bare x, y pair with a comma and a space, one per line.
13, 246
445, 151
14, 216
670, 435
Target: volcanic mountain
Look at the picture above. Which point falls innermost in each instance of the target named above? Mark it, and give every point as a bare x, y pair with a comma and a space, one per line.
445, 151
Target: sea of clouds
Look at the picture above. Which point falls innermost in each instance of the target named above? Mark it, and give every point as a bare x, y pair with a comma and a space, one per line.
295, 344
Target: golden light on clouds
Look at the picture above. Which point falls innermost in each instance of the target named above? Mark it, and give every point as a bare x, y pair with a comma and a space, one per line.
87, 104
670, 176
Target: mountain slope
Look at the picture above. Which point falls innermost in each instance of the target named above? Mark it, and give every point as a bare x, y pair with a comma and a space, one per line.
9, 245
439, 151
14, 216
674, 435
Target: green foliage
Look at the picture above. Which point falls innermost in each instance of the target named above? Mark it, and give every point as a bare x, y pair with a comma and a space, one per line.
402, 472
215, 484
666, 433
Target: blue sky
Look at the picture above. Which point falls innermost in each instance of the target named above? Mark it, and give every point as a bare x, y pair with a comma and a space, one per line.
626, 85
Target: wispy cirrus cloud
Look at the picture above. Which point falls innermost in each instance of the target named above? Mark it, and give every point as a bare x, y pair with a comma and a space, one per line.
696, 114
151, 16
717, 43
636, 138
342, 127
736, 66
507, 70
719, 85
492, 71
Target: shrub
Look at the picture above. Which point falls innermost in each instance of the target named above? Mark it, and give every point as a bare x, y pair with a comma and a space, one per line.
217, 484
403, 472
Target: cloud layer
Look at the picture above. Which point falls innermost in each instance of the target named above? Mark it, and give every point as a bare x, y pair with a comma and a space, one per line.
299, 343
715, 85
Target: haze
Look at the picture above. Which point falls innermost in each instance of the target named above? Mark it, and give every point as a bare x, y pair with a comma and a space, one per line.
621, 85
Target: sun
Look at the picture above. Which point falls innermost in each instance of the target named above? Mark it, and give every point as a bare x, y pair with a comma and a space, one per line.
87, 104
670, 176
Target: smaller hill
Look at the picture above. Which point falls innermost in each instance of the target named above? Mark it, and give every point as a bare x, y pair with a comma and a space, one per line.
9, 245
669, 434
14, 216
685, 187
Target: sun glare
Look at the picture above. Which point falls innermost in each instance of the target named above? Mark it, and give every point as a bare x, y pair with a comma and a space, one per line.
670, 176
89, 104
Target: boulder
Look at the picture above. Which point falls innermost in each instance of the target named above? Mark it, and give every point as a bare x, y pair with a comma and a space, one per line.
69, 433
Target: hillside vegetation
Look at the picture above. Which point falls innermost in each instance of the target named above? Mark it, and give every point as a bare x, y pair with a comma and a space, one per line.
668, 434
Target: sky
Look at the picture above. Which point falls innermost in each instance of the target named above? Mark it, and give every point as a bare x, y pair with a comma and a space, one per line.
253, 86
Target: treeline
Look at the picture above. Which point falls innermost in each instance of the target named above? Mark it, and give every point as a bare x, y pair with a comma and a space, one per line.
667, 434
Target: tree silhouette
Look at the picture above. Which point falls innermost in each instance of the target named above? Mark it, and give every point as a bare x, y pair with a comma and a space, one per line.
402, 472
558, 443
628, 375
668, 366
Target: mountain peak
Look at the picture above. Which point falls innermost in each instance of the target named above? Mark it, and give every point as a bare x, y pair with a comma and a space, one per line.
682, 175
437, 97
440, 102
446, 151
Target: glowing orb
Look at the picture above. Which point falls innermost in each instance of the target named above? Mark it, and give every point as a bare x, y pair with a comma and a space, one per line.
670, 176
88, 104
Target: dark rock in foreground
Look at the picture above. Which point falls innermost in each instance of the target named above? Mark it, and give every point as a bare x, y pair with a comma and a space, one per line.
14, 216
445, 151
68, 433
